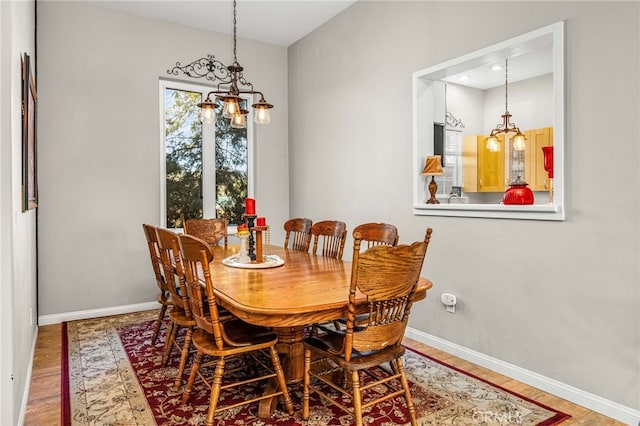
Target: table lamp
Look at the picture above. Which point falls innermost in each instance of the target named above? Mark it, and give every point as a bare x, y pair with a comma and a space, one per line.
433, 167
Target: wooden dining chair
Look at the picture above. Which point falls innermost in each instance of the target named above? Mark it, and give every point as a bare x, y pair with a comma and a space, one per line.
333, 234
387, 276
298, 231
180, 314
163, 297
224, 338
210, 230
373, 234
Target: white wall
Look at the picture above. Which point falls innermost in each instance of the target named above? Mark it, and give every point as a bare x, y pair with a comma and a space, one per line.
467, 104
100, 147
17, 228
557, 298
530, 104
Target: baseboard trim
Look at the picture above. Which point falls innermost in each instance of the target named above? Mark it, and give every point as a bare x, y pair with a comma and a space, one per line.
27, 384
95, 313
577, 396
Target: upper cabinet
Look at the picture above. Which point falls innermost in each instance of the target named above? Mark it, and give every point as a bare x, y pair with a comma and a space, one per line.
467, 96
482, 169
535, 174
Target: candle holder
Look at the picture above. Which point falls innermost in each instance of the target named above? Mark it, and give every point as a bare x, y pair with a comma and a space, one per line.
242, 255
250, 225
259, 242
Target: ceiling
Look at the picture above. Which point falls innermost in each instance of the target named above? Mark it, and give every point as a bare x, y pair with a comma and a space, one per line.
521, 66
281, 22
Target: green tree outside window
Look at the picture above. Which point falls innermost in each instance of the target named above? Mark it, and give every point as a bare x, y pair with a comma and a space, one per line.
184, 162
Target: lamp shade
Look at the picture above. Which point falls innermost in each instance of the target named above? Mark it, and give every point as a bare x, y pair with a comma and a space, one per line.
548, 159
433, 166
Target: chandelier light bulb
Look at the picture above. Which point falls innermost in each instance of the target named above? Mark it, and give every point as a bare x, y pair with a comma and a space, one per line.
208, 111
239, 120
230, 107
492, 144
518, 142
208, 115
261, 116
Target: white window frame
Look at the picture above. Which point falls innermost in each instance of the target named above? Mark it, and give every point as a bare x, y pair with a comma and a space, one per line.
208, 151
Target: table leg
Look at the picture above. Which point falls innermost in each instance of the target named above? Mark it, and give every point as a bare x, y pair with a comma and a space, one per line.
291, 350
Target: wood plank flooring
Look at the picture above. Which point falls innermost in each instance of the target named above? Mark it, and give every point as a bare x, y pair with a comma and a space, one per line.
43, 406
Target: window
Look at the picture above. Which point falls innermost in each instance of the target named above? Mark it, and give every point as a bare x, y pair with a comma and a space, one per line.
206, 169
478, 103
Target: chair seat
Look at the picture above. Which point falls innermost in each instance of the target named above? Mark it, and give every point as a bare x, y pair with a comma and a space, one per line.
327, 345
240, 333
179, 317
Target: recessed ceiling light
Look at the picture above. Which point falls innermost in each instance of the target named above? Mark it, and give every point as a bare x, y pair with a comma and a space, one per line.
464, 77
496, 67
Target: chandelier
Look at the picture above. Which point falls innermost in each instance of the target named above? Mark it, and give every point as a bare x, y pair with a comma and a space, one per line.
231, 84
507, 126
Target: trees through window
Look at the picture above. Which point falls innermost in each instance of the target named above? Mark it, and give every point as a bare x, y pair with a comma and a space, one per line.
206, 167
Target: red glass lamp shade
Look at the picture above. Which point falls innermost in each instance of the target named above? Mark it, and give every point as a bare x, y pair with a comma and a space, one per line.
548, 160
518, 193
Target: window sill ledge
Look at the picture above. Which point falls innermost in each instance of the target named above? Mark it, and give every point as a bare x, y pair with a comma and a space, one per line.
531, 212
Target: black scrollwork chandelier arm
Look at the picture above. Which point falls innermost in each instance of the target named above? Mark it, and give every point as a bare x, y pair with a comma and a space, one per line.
214, 70
208, 67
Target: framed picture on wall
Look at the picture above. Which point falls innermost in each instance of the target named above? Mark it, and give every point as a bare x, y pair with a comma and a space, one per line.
29, 120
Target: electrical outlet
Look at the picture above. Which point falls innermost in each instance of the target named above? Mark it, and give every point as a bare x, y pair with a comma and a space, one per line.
449, 300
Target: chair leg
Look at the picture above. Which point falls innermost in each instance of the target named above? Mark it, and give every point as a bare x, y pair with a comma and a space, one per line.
215, 391
192, 377
357, 397
305, 394
407, 395
168, 344
275, 360
183, 358
156, 331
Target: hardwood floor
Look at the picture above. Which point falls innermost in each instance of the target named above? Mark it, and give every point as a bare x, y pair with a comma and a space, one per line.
43, 407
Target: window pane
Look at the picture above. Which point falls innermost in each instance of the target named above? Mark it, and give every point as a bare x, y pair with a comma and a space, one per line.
183, 150
231, 168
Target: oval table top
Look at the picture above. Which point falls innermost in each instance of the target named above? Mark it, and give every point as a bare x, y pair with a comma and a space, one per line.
306, 289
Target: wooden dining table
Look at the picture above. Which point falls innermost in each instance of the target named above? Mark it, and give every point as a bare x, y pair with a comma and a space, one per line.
305, 290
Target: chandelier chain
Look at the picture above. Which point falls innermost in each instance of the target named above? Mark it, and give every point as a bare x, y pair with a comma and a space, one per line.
235, 21
231, 84
506, 84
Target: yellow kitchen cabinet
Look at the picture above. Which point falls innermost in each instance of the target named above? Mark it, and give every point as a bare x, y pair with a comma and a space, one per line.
482, 170
535, 174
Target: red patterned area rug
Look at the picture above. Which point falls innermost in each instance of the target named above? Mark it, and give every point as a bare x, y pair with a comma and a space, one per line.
112, 376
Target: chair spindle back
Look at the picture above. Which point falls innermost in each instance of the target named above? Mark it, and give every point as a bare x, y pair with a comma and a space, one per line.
388, 276
298, 231
333, 234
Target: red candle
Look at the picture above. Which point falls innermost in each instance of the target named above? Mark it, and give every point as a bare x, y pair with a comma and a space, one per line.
250, 206
261, 221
